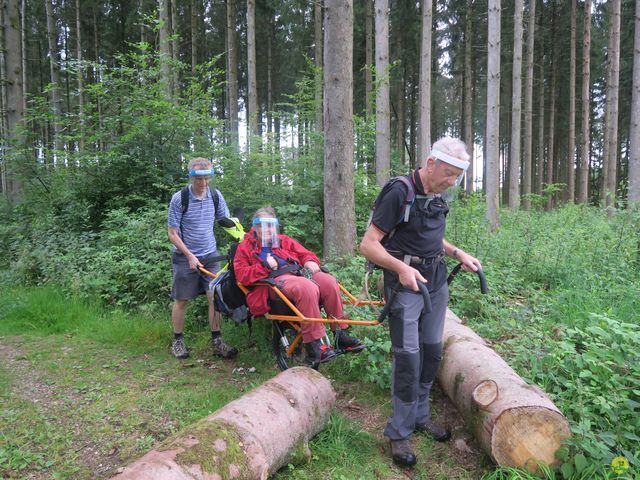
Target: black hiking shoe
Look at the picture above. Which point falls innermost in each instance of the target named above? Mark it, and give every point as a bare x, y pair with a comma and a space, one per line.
318, 352
347, 343
179, 349
437, 432
402, 453
222, 349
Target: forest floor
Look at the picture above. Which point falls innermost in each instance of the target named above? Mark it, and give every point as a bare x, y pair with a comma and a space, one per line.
75, 408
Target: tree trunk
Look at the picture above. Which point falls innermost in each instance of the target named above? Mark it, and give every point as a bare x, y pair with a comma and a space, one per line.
516, 107
551, 157
514, 422
23, 53
585, 137
252, 88
610, 154
400, 118
11, 92
527, 151
424, 121
467, 98
232, 73
249, 438
79, 74
175, 47
193, 28
368, 52
52, 37
383, 128
339, 203
540, 156
164, 34
493, 115
634, 129
571, 143
318, 39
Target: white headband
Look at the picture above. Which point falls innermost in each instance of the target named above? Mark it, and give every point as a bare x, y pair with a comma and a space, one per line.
456, 162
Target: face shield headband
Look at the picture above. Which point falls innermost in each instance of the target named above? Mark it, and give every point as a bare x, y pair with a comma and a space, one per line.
456, 162
267, 229
201, 173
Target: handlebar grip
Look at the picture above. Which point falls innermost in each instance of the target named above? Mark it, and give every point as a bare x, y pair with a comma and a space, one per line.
226, 222
425, 296
483, 281
387, 306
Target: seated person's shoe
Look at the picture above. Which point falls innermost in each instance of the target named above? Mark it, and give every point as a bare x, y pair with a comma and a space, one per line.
348, 343
222, 349
437, 432
402, 453
318, 352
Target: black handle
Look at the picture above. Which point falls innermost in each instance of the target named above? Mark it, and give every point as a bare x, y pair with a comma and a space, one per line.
226, 222
425, 297
481, 277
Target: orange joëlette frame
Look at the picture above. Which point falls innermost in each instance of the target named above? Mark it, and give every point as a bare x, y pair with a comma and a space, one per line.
298, 316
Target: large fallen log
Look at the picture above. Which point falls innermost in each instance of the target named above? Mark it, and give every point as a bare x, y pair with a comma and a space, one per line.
514, 422
249, 438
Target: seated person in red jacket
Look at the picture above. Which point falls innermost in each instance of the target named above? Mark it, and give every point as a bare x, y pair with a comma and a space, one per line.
264, 253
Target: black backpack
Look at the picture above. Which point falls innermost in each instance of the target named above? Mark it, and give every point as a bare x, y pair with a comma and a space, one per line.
227, 296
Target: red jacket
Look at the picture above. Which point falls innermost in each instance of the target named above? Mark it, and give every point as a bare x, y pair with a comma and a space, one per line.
249, 268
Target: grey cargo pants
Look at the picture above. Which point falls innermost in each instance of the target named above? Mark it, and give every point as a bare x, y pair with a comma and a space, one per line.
416, 343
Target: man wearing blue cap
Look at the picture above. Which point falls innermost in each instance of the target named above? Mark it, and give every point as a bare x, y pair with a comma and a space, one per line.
192, 212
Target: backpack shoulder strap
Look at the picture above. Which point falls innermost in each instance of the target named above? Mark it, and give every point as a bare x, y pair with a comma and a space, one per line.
216, 199
184, 199
411, 195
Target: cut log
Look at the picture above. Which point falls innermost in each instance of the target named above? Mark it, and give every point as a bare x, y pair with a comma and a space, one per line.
249, 438
514, 422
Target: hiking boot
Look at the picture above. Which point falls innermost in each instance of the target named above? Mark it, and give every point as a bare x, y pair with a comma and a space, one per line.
223, 349
318, 352
437, 432
348, 343
179, 349
402, 453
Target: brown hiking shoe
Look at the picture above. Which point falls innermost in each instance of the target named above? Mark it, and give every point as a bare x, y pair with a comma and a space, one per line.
223, 349
437, 432
402, 453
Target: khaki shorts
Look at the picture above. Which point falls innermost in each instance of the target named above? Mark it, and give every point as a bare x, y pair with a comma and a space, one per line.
187, 283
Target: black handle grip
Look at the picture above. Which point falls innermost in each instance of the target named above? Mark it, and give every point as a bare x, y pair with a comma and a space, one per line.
479, 272
387, 306
226, 222
425, 296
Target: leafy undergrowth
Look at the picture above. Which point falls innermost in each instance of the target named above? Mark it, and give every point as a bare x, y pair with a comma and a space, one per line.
85, 392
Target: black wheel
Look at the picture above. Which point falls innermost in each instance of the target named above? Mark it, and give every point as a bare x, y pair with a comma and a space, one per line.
283, 336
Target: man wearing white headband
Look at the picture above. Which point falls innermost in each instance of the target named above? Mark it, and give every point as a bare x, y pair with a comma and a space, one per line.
406, 239
192, 212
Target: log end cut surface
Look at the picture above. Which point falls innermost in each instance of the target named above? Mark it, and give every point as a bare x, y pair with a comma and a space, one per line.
526, 436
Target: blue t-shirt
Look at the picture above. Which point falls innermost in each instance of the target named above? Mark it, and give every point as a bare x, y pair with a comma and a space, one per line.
197, 222
263, 256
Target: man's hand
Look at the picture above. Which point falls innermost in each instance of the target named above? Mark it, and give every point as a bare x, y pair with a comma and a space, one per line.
409, 277
194, 263
312, 266
469, 262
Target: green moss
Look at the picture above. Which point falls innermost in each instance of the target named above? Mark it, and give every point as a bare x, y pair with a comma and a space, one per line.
204, 454
300, 454
456, 386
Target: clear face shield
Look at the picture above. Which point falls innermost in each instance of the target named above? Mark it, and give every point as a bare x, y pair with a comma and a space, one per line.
268, 231
451, 192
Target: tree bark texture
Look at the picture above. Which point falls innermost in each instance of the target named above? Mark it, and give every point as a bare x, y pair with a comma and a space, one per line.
527, 151
516, 107
424, 121
634, 129
585, 136
252, 87
232, 72
52, 37
318, 57
383, 116
467, 97
571, 134
164, 37
368, 52
514, 422
339, 202
493, 115
249, 438
610, 154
